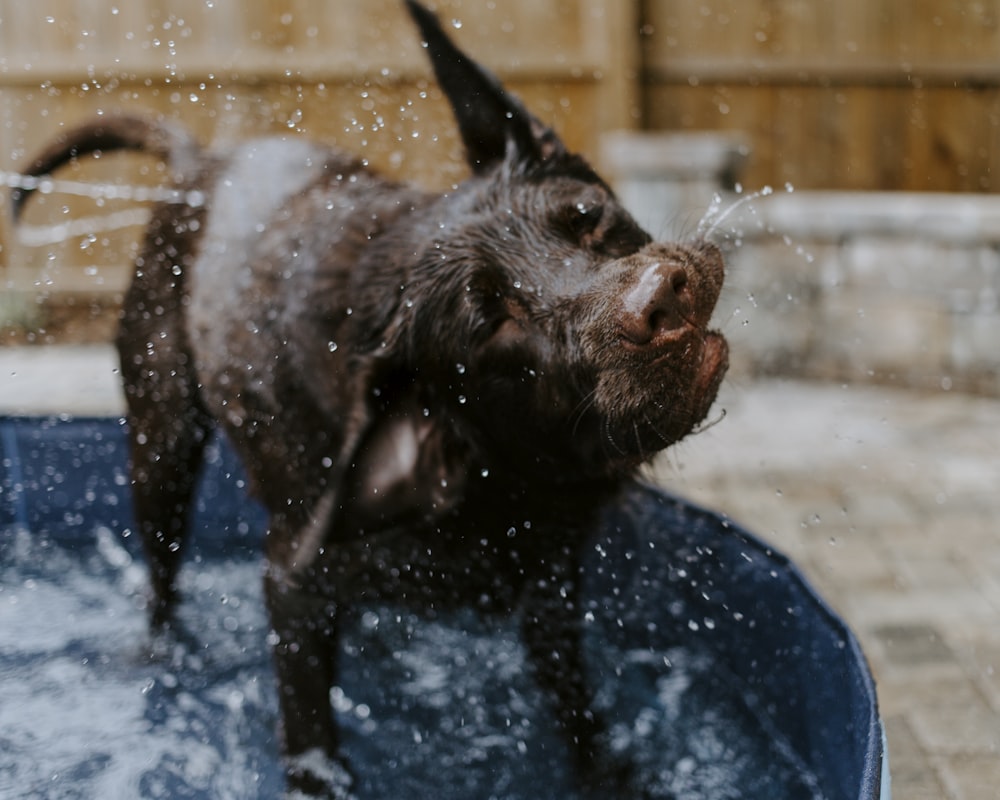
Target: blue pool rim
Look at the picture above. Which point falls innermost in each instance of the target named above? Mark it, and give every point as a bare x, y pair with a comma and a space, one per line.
57, 473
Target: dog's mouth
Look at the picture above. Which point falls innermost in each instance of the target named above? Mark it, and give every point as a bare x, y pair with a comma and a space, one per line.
713, 366
652, 402
685, 381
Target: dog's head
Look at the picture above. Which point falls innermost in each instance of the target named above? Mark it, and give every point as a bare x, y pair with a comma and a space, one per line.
558, 335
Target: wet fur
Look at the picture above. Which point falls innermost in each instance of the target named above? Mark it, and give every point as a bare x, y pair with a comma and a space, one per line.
408, 378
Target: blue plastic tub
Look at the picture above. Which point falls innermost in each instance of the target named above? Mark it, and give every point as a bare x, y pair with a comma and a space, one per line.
723, 672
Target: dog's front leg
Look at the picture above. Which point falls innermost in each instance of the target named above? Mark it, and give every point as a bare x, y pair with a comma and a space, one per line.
554, 638
305, 633
553, 634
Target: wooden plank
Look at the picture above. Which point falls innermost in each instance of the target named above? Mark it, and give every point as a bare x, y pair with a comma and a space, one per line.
309, 38
817, 71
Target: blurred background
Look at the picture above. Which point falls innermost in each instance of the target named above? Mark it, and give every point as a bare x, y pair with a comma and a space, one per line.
845, 154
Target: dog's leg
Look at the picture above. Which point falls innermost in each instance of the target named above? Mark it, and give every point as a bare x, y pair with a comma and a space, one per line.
304, 629
167, 435
165, 460
553, 634
554, 640
167, 424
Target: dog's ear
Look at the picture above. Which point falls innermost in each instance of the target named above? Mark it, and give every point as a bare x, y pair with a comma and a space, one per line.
490, 119
409, 467
399, 465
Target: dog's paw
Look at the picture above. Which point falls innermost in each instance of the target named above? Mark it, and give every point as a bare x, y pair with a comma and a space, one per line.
314, 775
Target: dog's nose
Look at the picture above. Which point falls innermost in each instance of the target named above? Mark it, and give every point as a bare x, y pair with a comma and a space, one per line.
658, 303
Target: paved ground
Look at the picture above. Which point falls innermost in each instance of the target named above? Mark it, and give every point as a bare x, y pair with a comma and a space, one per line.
889, 500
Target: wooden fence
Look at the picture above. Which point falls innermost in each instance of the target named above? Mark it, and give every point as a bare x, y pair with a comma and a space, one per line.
835, 94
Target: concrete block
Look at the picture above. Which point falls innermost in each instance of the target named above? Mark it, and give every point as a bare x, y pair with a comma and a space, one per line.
975, 343
895, 335
668, 180
917, 265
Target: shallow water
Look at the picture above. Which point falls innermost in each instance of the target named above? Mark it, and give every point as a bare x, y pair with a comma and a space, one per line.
90, 707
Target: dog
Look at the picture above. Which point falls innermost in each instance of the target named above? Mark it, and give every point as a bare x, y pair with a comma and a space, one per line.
407, 377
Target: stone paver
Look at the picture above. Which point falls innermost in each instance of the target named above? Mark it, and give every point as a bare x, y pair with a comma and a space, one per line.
889, 500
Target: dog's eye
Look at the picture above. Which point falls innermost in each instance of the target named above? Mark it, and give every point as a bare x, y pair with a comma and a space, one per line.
583, 220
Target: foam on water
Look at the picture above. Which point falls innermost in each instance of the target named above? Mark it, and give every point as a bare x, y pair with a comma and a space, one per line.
90, 707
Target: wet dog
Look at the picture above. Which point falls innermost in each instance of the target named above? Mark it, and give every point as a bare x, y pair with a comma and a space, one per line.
407, 377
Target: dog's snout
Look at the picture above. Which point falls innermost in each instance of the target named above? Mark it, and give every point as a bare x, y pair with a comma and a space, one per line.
656, 304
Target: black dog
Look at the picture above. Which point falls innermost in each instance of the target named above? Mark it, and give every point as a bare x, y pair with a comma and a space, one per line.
407, 376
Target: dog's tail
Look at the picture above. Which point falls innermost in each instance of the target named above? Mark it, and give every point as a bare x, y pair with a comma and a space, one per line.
114, 131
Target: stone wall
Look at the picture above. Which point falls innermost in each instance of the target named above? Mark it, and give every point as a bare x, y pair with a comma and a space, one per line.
886, 287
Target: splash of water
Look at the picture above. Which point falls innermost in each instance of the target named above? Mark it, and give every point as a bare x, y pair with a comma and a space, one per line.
715, 214
48, 235
718, 213
43, 184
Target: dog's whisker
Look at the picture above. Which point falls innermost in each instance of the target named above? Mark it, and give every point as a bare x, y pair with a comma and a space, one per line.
585, 404
709, 423
640, 447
